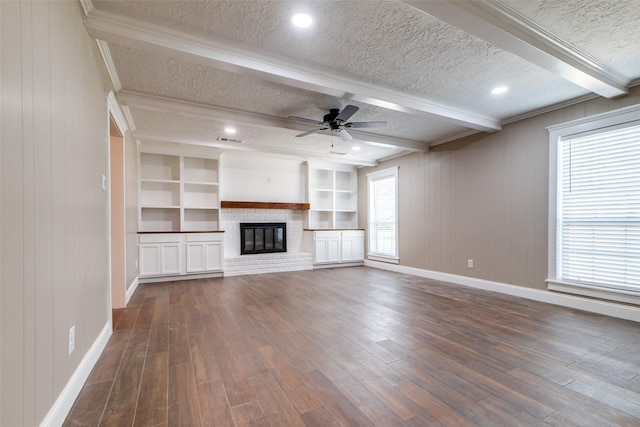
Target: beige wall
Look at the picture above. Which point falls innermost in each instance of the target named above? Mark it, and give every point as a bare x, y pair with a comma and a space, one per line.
53, 212
484, 198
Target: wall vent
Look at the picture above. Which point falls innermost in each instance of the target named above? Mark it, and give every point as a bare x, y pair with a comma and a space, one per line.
225, 139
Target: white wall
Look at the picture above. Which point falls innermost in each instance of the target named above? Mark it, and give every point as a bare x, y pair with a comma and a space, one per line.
53, 219
254, 177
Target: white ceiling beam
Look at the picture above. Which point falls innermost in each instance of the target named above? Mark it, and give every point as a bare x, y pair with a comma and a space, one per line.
224, 55
210, 112
505, 28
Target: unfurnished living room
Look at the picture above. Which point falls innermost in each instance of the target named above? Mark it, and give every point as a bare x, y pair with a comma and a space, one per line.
320, 213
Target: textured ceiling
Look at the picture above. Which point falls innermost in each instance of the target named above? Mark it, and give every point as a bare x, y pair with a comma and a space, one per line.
399, 61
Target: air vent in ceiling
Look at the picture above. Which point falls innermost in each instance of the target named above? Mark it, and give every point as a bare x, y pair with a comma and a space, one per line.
225, 139
336, 152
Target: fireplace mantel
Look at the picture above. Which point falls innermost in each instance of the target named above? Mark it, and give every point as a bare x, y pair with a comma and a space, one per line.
265, 205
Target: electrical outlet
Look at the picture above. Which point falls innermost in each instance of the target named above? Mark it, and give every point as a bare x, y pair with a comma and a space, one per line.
470, 263
72, 339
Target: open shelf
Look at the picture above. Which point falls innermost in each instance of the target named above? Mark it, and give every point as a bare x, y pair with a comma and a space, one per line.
159, 219
159, 167
333, 196
200, 170
201, 195
201, 219
178, 193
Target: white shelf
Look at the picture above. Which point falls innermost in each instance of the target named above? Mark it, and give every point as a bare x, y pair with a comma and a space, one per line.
178, 193
159, 167
333, 197
200, 170
159, 219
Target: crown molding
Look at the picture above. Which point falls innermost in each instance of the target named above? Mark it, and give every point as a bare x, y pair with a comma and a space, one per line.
211, 112
227, 56
505, 28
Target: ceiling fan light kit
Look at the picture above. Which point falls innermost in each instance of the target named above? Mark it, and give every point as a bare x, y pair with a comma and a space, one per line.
337, 123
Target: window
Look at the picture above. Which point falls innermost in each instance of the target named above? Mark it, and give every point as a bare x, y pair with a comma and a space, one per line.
595, 210
383, 215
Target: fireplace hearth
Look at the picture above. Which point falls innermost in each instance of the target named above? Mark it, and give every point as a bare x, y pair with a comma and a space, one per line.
263, 237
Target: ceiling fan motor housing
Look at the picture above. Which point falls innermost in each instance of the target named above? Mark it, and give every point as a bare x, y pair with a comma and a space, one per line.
333, 113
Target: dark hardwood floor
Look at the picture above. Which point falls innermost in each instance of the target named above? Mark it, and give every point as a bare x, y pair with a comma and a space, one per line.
358, 346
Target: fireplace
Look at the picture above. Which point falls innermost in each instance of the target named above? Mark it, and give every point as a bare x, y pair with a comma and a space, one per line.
263, 237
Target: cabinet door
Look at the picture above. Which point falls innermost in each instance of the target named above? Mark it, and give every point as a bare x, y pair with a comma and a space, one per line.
149, 255
213, 256
195, 257
327, 250
170, 258
352, 249
204, 256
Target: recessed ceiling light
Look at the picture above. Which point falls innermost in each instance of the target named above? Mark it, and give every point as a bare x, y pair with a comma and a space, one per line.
301, 20
499, 90
229, 130
356, 148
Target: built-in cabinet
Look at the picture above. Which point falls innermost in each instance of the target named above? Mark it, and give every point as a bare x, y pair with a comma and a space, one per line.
176, 255
179, 216
333, 196
178, 193
335, 247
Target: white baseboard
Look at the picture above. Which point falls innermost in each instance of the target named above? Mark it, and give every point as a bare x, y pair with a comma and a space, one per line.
130, 290
595, 306
63, 404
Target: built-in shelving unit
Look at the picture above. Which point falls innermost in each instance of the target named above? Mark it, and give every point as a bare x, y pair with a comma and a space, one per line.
333, 196
178, 193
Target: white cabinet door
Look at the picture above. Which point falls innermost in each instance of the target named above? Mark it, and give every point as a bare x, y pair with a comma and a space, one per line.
213, 256
196, 257
204, 252
149, 255
327, 247
352, 246
159, 258
170, 258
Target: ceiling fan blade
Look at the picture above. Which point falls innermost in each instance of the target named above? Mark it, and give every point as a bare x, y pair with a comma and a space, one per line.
346, 136
355, 125
310, 132
346, 112
302, 119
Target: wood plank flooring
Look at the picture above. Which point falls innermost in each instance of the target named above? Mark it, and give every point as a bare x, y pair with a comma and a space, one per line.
357, 347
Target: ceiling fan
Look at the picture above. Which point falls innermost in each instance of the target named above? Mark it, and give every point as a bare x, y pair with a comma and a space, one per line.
337, 122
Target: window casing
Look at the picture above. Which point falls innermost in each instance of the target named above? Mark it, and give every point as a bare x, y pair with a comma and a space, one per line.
383, 215
594, 206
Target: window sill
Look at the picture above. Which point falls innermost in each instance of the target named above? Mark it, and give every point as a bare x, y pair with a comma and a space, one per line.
383, 258
619, 295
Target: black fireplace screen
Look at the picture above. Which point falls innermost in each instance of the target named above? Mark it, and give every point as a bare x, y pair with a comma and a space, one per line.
263, 238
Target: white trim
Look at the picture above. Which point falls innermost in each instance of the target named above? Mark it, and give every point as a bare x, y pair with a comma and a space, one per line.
155, 38
116, 112
130, 290
565, 130
611, 294
601, 307
382, 258
105, 52
63, 404
373, 176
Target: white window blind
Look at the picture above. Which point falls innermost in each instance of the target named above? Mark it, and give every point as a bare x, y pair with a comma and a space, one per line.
598, 209
382, 213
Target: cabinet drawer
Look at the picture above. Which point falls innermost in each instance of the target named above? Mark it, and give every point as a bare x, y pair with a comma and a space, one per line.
205, 237
353, 233
159, 238
329, 234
